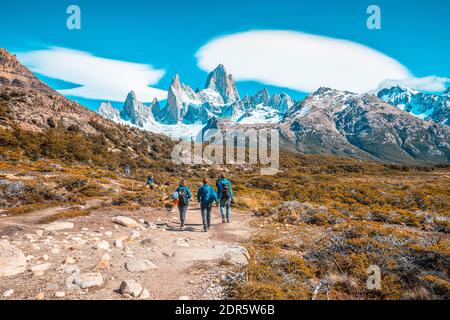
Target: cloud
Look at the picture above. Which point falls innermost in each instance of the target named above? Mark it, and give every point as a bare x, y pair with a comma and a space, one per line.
425, 84
98, 78
300, 61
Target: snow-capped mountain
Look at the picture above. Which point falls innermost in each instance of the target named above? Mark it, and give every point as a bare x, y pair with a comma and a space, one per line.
422, 105
187, 110
218, 80
328, 121
365, 127
357, 126
109, 112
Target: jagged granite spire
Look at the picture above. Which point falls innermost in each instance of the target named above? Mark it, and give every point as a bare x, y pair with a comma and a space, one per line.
174, 101
136, 111
223, 83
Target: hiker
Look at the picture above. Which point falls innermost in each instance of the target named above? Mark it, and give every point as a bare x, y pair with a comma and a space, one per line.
206, 196
225, 194
151, 182
183, 196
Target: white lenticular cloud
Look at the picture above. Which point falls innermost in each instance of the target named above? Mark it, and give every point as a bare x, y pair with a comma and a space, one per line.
430, 83
98, 78
300, 61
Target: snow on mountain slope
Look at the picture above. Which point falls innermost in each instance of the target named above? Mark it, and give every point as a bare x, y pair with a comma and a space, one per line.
261, 114
424, 106
187, 109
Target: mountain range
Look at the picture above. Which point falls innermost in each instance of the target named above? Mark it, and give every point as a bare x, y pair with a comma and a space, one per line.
425, 106
190, 109
328, 121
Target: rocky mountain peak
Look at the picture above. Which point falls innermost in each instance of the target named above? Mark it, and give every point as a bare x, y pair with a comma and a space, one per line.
223, 83
176, 84
135, 111
424, 106
262, 96
14, 74
107, 111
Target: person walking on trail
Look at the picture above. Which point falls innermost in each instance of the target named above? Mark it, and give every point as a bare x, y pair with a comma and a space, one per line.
151, 182
206, 196
225, 193
184, 195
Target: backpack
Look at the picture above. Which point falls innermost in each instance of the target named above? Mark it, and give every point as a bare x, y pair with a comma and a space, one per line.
183, 197
226, 190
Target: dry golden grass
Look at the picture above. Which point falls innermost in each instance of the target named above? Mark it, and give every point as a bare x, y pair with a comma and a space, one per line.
66, 214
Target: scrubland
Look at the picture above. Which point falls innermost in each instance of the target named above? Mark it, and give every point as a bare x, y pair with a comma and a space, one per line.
319, 223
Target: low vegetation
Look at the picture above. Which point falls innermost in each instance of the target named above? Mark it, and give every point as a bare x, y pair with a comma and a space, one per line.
322, 221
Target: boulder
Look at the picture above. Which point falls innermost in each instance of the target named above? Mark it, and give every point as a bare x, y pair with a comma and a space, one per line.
8, 293
131, 287
12, 260
139, 265
56, 226
39, 269
125, 221
144, 294
89, 280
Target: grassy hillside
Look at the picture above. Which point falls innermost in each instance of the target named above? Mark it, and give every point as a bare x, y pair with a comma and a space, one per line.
322, 221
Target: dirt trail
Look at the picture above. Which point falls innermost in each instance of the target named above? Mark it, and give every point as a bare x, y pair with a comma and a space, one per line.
188, 263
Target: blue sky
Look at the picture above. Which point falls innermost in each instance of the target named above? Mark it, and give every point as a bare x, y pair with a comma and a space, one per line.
167, 36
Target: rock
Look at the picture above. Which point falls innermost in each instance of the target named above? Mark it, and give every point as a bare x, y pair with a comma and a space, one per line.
69, 260
139, 265
135, 235
60, 294
39, 269
144, 294
125, 221
8, 293
39, 233
55, 251
142, 221
184, 298
108, 233
12, 260
118, 244
45, 257
106, 257
103, 264
89, 280
29, 257
51, 286
131, 287
237, 255
103, 245
40, 296
72, 269
56, 226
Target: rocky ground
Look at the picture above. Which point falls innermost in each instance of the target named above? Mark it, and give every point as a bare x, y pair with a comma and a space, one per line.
120, 254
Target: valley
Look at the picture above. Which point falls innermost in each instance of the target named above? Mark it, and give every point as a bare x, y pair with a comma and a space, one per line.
360, 183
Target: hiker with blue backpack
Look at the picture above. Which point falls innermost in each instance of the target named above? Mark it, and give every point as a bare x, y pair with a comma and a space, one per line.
183, 196
206, 196
151, 182
225, 193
